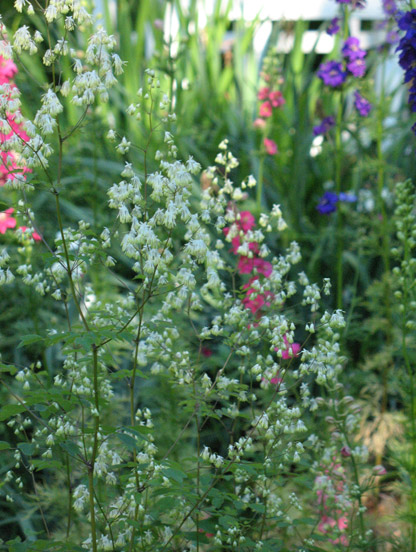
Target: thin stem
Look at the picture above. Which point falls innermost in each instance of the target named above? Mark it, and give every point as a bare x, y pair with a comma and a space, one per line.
340, 221
259, 188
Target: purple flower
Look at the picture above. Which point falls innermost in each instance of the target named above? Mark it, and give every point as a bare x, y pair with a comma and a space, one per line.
333, 26
332, 73
357, 67
326, 124
351, 49
362, 105
389, 7
407, 53
328, 203
392, 37
354, 3
348, 198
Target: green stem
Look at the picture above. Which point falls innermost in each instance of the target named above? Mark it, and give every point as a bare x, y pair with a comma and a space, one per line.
339, 221
412, 382
259, 191
384, 234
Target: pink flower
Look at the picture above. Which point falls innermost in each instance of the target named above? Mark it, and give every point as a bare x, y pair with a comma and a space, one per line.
270, 145
276, 98
254, 304
379, 470
263, 267
245, 265
7, 70
342, 523
6, 221
292, 350
9, 168
259, 123
246, 221
16, 128
266, 109
346, 451
263, 93
35, 235
326, 524
206, 351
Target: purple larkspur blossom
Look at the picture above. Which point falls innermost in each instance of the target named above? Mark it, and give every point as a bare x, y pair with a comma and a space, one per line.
351, 49
326, 124
347, 198
392, 37
332, 73
362, 105
333, 26
328, 203
354, 3
407, 53
389, 7
357, 67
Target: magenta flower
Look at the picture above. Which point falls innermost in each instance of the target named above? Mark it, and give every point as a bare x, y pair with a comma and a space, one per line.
270, 145
246, 221
263, 267
292, 349
332, 73
6, 220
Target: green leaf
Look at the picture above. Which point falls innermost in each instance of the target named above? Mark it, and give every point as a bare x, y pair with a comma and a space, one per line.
45, 464
27, 448
176, 475
8, 368
4, 445
11, 410
29, 339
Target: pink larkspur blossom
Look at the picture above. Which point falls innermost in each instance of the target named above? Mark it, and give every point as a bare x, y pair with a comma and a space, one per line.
35, 235
16, 128
259, 123
270, 145
266, 109
246, 221
263, 93
7, 70
263, 267
292, 349
276, 98
6, 220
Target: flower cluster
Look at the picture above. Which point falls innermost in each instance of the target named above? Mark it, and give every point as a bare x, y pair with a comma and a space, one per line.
354, 56
272, 99
11, 127
330, 486
328, 202
407, 54
362, 105
326, 124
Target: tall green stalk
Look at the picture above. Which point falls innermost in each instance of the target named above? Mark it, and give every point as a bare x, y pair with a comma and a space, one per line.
338, 176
